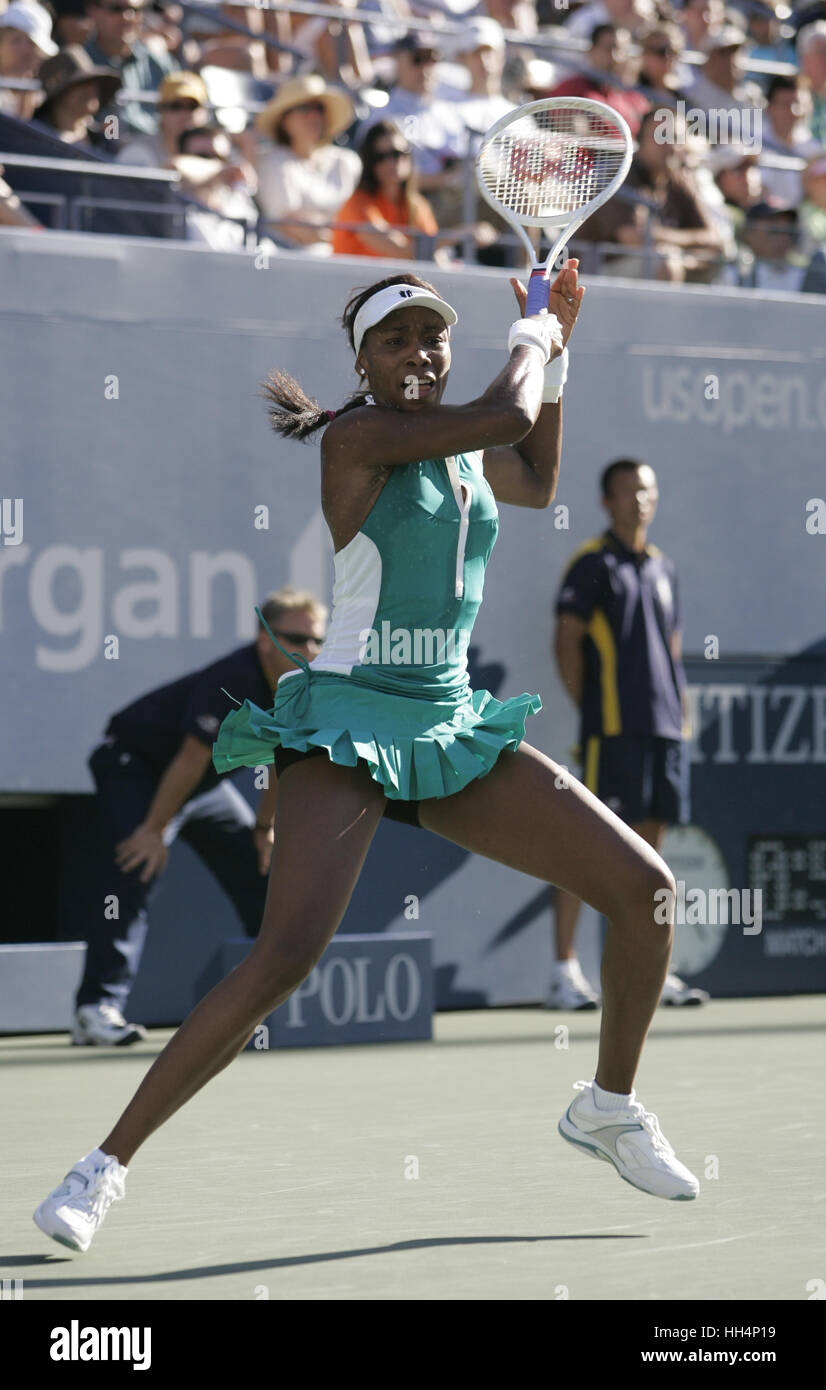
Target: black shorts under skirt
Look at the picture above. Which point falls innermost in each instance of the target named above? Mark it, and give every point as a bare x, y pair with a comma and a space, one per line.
405, 811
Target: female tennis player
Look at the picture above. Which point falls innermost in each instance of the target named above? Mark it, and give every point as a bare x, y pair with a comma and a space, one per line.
409, 489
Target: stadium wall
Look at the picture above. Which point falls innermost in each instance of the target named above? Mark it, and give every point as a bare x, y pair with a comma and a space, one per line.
138, 467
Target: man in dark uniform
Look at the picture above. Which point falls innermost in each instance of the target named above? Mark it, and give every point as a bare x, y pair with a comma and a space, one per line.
618, 650
156, 780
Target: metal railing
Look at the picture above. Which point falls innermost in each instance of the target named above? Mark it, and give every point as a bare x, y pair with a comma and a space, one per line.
71, 203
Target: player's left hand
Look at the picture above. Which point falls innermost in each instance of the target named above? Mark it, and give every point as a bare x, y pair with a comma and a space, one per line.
263, 841
564, 297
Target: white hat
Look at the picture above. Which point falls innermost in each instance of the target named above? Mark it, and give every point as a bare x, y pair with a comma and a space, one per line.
298, 90
379, 305
30, 18
480, 32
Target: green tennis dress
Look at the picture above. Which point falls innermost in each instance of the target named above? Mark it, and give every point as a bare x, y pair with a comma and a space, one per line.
390, 685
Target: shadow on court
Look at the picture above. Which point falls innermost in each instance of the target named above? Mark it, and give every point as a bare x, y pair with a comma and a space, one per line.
290, 1262
293, 1171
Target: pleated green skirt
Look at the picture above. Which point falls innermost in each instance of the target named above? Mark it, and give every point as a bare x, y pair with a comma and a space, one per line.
415, 748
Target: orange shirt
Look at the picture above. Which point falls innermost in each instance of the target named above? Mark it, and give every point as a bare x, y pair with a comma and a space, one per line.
376, 208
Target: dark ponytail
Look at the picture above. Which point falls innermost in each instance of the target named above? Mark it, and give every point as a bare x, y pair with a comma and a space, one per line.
295, 415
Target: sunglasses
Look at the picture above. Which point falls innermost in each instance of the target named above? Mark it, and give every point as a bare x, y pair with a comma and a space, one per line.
178, 105
380, 155
662, 52
298, 639
420, 59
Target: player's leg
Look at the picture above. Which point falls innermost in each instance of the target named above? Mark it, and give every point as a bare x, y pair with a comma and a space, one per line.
325, 819
525, 813
519, 816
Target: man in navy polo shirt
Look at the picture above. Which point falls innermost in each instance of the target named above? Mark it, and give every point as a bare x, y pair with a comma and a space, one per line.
156, 780
618, 650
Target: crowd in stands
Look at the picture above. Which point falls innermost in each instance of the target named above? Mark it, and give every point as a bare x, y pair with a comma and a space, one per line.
357, 135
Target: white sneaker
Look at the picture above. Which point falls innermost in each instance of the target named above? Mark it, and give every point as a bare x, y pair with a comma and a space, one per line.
632, 1140
72, 1213
571, 991
676, 991
103, 1025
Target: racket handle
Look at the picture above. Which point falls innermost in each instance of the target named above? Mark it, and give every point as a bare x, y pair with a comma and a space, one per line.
537, 292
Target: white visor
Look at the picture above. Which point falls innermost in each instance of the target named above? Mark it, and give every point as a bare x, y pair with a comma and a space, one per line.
397, 297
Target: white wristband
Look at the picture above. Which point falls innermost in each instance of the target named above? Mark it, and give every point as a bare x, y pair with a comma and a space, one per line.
543, 333
556, 374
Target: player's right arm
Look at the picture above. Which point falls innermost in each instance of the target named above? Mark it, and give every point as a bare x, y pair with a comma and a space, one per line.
505, 413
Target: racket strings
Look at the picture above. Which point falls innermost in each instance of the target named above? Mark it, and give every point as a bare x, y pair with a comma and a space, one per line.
551, 163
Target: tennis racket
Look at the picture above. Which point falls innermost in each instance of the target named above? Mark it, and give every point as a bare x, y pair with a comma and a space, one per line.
552, 163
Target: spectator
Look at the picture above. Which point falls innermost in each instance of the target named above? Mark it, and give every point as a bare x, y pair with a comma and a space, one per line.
224, 187
116, 45
811, 53
632, 15
387, 198
302, 177
685, 228
813, 208
699, 21
75, 91
481, 49
433, 125
805, 15
660, 67
519, 15
771, 259
12, 212
608, 54
161, 27
156, 781
183, 103
739, 178
72, 24
686, 239
205, 42
339, 50
719, 83
766, 40
785, 132
25, 40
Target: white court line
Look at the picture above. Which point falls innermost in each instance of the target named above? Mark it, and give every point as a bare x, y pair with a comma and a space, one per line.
699, 1245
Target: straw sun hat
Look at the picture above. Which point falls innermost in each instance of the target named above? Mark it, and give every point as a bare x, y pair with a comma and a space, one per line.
294, 92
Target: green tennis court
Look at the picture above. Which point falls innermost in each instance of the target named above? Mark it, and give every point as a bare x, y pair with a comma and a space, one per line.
291, 1176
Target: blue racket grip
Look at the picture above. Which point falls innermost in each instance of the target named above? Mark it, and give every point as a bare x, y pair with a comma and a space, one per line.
538, 286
